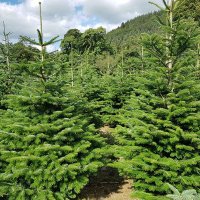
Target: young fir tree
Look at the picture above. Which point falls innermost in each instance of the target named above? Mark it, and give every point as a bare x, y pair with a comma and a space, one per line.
6, 78
48, 145
159, 131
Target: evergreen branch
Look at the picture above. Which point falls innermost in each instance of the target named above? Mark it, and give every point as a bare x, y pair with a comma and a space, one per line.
166, 5
176, 192
178, 3
160, 21
52, 41
40, 38
157, 5
28, 39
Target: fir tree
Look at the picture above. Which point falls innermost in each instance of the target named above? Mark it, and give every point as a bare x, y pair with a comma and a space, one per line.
48, 144
6, 79
159, 126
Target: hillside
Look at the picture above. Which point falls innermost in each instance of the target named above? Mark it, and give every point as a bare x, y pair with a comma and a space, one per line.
142, 24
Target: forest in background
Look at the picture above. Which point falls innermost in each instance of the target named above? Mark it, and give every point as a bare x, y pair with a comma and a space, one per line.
141, 80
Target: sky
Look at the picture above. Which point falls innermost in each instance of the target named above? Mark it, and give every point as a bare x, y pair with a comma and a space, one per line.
22, 16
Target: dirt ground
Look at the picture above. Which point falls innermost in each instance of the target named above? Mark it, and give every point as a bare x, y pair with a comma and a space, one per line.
107, 185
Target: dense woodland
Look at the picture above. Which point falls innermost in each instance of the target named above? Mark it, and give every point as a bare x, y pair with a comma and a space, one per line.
142, 80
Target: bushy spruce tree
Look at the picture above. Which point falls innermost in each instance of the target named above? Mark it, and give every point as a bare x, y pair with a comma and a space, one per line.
160, 124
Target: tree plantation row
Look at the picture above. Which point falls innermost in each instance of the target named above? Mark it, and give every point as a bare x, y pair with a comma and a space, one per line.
147, 91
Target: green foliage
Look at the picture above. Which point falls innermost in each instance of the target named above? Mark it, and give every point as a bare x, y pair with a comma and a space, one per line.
50, 151
157, 139
22, 53
71, 41
92, 40
188, 9
52, 106
106, 95
144, 196
160, 140
40, 41
49, 145
134, 28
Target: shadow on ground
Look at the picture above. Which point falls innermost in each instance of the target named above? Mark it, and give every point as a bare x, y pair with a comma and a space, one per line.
106, 185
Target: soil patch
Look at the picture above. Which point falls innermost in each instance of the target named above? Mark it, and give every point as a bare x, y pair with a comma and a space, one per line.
107, 185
